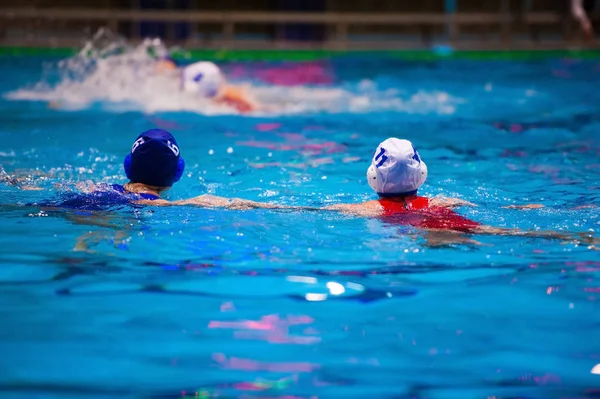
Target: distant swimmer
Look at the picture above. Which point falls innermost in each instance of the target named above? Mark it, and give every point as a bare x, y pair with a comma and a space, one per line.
202, 79
206, 79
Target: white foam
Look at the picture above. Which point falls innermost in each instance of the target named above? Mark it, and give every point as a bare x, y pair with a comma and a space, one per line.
119, 77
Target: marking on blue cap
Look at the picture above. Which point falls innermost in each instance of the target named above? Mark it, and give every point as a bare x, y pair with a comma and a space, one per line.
382, 156
137, 143
173, 147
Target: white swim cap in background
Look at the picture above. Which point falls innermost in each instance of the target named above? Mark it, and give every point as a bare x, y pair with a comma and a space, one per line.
396, 168
204, 78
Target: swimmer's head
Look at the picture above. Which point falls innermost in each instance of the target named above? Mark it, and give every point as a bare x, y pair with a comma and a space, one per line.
396, 169
154, 159
203, 78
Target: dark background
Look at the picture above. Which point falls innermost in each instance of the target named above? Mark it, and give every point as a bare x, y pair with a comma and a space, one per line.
179, 32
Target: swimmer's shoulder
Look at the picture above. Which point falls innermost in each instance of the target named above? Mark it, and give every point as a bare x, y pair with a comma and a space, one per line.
406, 204
446, 202
369, 208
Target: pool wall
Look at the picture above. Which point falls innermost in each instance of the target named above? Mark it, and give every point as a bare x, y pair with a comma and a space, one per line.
308, 55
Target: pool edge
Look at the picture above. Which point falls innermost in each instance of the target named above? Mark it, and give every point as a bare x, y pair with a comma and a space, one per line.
313, 55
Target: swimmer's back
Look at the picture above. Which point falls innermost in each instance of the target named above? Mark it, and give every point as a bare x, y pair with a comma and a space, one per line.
106, 197
417, 212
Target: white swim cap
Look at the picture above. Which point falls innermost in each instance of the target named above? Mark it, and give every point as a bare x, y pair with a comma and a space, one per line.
204, 78
396, 169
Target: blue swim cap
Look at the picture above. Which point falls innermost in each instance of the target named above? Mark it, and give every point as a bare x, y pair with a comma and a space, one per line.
154, 159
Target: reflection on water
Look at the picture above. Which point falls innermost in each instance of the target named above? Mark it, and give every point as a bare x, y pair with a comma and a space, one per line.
270, 328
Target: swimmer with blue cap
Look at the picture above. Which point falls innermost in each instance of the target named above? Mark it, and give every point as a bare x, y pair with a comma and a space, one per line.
152, 166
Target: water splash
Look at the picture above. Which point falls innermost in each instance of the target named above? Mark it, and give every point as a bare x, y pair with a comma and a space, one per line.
117, 76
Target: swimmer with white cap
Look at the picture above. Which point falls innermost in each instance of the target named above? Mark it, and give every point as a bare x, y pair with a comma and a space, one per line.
397, 172
208, 81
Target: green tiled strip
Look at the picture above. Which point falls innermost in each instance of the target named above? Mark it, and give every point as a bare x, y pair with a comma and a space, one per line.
309, 55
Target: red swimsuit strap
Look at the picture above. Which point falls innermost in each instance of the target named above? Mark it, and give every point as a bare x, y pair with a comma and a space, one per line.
406, 204
430, 217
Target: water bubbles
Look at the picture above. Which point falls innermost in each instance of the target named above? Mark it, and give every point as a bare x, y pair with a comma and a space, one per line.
39, 214
229, 150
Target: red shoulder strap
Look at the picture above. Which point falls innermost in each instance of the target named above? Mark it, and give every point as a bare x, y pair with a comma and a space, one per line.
418, 203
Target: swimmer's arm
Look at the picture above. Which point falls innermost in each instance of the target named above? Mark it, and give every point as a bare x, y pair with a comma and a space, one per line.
527, 206
449, 202
366, 209
586, 238
237, 97
213, 201
457, 202
18, 182
539, 206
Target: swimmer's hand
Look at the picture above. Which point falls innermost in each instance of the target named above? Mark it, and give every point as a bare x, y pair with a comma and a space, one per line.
18, 182
449, 202
527, 206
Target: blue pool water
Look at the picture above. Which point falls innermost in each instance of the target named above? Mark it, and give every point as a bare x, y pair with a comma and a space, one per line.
189, 302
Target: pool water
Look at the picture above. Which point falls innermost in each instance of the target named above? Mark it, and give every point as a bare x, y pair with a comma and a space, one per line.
198, 303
